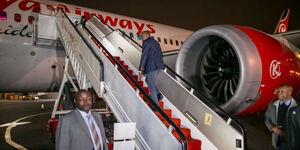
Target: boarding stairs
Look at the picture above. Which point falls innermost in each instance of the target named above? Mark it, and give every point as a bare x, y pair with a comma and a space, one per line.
106, 60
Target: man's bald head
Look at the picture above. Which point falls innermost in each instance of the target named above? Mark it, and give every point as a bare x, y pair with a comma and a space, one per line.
284, 92
83, 100
286, 86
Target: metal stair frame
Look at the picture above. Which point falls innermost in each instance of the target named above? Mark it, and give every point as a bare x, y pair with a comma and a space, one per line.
189, 104
86, 59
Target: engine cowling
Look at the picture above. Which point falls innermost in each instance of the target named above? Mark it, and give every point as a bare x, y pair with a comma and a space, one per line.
237, 68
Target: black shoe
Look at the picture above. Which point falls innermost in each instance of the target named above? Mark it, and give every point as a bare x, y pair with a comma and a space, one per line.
160, 97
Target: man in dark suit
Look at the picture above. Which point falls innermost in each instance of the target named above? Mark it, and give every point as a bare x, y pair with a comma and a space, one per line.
151, 63
81, 128
276, 116
293, 128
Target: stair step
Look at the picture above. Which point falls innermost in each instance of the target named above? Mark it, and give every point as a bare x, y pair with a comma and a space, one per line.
140, 83
148, 103
142, 96
121, 62
129, 71
194, 144
185, 131
131, 83
126, 67
159, 116
168, 112
117, 58
135, 77
146, 90
175, 120
161, 104
111, 60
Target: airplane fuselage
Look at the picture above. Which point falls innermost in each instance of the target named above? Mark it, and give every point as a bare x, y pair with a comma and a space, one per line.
26, 67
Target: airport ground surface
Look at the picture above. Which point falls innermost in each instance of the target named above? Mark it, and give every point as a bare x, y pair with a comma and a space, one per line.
34, 136
258, 136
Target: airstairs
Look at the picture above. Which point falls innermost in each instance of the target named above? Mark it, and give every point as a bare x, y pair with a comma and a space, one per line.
106, 60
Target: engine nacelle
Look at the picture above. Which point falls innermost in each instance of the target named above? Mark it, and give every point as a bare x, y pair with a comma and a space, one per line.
237, 68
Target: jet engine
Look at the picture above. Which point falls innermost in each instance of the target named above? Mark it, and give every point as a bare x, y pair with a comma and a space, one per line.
237, 68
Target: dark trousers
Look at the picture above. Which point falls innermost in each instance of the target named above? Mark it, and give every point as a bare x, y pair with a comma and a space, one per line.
282, 143
282, 146
151, 80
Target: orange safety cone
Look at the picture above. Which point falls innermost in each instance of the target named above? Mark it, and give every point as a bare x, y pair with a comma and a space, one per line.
42, 107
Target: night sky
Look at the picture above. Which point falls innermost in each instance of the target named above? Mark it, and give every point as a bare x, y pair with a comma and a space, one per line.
196, 14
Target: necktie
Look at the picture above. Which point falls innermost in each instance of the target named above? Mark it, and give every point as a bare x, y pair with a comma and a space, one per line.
94, 133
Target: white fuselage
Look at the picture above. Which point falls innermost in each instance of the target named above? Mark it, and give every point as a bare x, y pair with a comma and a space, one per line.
27, 68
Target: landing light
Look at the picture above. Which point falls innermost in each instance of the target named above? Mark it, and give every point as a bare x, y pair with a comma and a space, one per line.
298, 55
294, 73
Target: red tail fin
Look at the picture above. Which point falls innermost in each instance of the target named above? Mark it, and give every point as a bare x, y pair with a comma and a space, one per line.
283, 23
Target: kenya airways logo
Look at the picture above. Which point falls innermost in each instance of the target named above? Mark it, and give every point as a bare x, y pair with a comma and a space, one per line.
282, 27
275, 69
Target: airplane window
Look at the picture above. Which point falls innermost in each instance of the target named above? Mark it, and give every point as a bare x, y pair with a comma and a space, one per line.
17, 17
30, 19
131, 35
171, 41
176, 42
3, 15
139, 37
165, 40
158, 39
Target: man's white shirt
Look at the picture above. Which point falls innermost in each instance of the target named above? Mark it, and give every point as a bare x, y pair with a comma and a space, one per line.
85, 118
287, 103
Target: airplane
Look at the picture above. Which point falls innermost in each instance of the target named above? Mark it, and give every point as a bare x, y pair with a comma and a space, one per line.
235, 67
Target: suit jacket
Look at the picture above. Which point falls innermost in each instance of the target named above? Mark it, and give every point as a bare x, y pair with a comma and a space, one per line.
271, 117
293, 128
73, 134
152, 58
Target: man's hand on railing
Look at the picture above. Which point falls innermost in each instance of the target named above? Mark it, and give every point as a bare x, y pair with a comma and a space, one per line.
140, 75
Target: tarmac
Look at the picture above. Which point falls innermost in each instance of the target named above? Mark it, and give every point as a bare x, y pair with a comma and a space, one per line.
25, 124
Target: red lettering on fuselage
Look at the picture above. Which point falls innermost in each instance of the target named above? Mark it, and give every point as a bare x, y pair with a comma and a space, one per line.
64, 8
35, 6
87, 15
139, 27
77, 11
108, 19
27, 5
50, 7
150, 27
125, 24
4, 4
